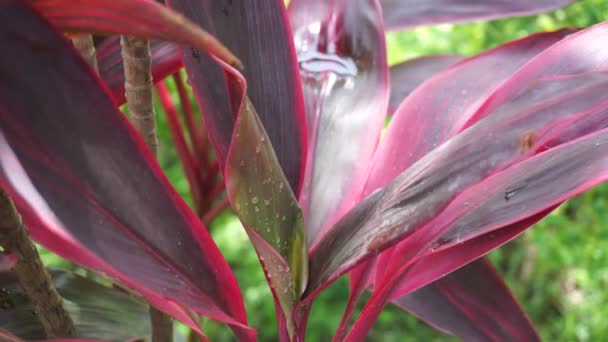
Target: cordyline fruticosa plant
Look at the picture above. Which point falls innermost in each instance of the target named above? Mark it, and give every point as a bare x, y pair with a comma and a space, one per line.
472, 157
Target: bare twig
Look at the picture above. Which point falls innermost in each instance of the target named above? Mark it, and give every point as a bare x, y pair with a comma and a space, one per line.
84, 44
137, 62
33, 277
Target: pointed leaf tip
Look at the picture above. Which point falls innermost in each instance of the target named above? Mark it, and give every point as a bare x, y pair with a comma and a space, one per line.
144, 18
263, 200
87, 187
472, 303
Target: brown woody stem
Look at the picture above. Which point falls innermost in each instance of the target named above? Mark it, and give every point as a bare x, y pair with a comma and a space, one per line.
84, 44
33, 277
137, 62
138, 88
162, 327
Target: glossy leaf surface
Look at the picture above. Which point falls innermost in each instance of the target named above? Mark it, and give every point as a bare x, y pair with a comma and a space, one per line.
65, 150
442, 106
263, 200
166, 59
450, 259
342, 56
258, 32
521, 128
542, 182
408, 75
143, 18
98, 311
578, 53
400, 14
472, 303
445, 104
575, 54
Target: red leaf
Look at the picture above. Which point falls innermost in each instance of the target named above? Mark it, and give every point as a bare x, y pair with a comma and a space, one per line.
538, 119
577, 53
425, 120
400, 14
572, 106
461, 255
342, 55
408, 75
439, 108
135, 17
88, 188
258, 32
166, 60
472, 303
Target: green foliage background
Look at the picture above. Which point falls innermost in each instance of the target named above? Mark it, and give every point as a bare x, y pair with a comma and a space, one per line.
558, 270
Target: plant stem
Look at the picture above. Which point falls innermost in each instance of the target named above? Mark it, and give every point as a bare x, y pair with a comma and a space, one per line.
162, 327
138, 88
84, 44
33, 277
137, 62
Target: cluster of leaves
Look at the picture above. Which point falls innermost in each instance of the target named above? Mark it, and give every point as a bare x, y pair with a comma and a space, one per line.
472, 157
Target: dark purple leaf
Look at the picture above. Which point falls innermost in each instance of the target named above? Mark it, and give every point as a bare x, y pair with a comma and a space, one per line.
98, 311
511, 200
554, 108
424, 122
259, 33
136, 17
578, 53
400, 14
408, 75
439, 109
166, 60
525, 190
427, 269
86, 185
472, 303
342, 56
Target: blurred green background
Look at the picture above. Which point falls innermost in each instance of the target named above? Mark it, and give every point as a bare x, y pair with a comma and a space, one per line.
558, 270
